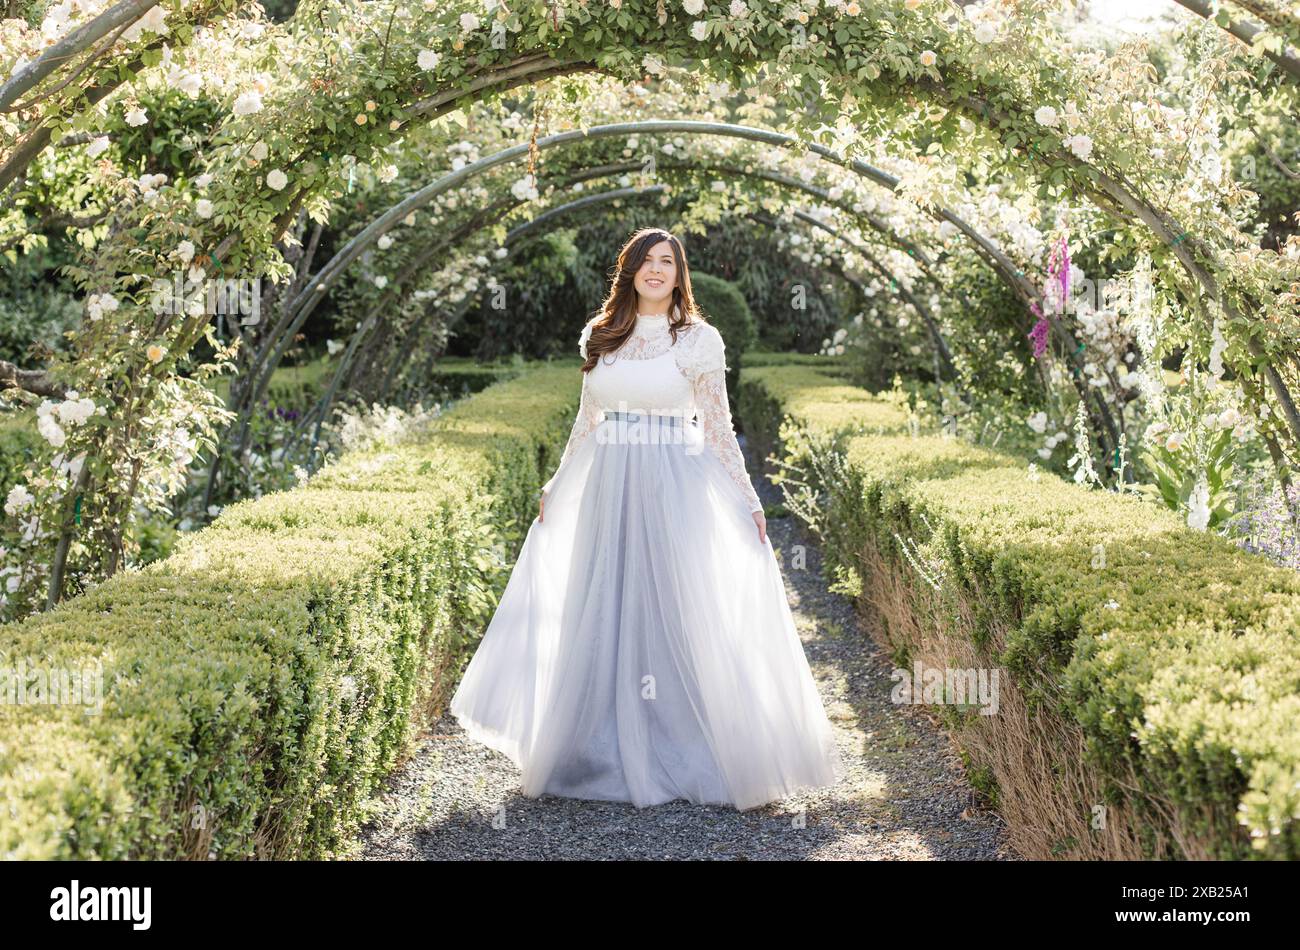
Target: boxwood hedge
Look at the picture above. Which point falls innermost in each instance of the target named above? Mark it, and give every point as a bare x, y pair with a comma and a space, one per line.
1157, 668
259, 682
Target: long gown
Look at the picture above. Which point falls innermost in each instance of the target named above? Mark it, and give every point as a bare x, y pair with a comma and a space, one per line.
643, 649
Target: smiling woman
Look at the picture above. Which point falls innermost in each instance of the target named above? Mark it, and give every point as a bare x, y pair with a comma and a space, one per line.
644, 649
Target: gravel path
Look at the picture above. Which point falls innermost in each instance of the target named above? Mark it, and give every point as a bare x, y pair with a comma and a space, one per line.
905, 795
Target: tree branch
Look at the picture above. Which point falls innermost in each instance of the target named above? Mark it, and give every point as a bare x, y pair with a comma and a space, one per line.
35, 381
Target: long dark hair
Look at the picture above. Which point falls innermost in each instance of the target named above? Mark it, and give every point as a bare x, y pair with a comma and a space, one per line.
617, 317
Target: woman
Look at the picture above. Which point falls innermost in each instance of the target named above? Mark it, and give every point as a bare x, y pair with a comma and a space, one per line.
643, 649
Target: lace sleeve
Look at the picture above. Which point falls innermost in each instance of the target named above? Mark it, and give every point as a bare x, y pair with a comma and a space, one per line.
589, 414
706, 367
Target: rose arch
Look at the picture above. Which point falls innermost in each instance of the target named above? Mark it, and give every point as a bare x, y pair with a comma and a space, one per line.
382, 164
362, 76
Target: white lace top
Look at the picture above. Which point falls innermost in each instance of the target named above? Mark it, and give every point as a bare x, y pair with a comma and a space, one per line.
694, 386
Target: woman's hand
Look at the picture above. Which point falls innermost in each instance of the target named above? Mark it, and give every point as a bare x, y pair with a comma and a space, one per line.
762, 526
541, 506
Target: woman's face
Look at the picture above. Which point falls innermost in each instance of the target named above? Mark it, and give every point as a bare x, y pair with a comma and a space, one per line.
657, 275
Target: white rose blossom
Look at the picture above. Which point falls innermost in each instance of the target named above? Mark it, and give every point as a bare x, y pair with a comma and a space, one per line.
47, 425
152, 21
1080, 145
18, 499
248, 103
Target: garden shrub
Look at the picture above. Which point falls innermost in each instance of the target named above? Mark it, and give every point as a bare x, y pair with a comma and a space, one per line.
260, 681
1153, 700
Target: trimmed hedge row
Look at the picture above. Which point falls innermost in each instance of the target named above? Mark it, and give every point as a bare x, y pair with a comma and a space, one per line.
458, 375
1153, 708
831, 365
258, 683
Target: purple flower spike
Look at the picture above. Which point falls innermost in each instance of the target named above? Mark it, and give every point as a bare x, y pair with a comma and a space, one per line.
1038, 336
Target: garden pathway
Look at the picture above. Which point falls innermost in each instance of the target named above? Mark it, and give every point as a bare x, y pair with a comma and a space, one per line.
905, 795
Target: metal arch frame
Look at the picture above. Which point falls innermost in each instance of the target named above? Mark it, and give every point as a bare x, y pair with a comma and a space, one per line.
372, 319
522, 231
337, 265
936, 336
768, 220
763, 174
1246, 31
923, 261
302, 305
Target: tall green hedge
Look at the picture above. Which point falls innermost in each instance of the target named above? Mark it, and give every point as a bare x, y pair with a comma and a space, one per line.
1156, 669
458, 375
725, 307
258, 683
